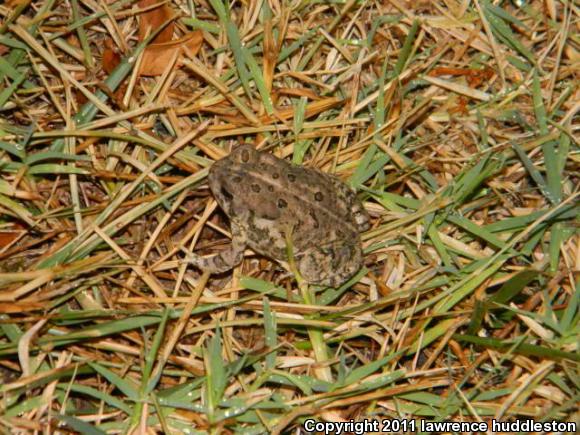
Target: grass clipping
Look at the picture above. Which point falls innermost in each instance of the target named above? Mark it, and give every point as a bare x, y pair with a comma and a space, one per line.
454, 121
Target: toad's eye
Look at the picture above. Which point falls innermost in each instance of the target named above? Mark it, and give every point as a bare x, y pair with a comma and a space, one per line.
226, 194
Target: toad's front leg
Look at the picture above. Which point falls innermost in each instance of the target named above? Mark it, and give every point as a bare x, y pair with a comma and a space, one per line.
227, 259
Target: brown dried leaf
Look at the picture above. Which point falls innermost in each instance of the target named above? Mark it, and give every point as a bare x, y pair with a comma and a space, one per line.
157, 56
299, 92
312, 109
21, 307
14, 231
14, 3
73, 40
7, 237
111, 57
155, 18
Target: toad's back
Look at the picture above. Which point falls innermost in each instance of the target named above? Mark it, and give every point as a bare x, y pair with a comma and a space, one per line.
266, 198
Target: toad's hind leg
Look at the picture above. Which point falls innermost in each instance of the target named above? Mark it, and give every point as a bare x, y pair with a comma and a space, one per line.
227, 259
330, 265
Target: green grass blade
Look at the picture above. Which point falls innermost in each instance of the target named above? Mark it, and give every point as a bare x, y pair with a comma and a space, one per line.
16, 55
8, 91
514, 286
551, 157
476, 230
405, 52
366, 370
151, 355
300, 146
15, 150
372, 162
271, 337
235, 43
128, 388
82, 34
107, 398
79, 425
9, 71
54, 155
18, 210
504, 33
258, 78
51, 168
286, 52
570, 318
215, 376
522, 349
198, 24
519, 222
380, 107
534, 173
440, 247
